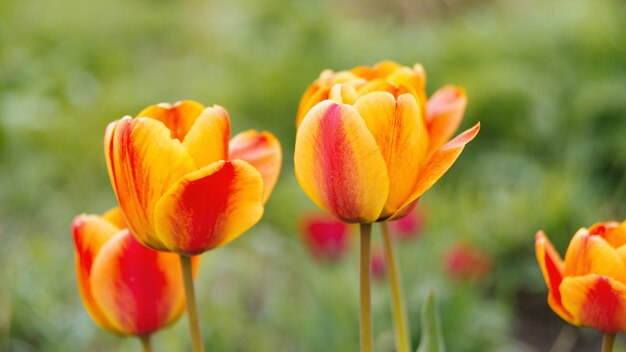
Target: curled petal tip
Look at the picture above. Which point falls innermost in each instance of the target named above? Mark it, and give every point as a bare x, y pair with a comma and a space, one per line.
540, 235
463, 138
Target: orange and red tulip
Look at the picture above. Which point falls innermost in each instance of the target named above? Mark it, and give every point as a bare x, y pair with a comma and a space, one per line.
589, 287
325, 237
369, 143
127, 289
182, 185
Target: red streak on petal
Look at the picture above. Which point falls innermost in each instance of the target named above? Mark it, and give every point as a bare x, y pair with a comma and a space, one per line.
555, 277
334, 153
206, 203
128, 160
147, 286
602, 307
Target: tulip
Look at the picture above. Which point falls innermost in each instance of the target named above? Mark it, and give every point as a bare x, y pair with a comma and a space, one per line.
463, 261
127, 289
369, 143
325, 237
589, 287
183, 186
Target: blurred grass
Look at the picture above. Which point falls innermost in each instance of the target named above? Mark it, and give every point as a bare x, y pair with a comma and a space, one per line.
547, 80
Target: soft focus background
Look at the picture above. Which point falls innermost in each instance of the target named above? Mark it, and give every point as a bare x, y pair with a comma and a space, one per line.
546, 78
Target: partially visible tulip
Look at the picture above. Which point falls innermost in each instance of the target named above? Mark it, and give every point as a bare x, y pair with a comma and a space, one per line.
409, 227
589, 287
325, 237
182, 186
369, 143
127, 289
463, 261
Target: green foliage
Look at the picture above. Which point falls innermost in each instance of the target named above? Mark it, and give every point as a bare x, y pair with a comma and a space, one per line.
432, 339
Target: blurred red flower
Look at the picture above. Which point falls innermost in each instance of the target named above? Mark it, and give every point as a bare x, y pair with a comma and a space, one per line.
463, 261
378, 264
409, 227
326, 238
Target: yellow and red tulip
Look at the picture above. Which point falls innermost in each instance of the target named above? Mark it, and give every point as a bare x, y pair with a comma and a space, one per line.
369, 143
589, 287
182, 185
326, 238
127, 289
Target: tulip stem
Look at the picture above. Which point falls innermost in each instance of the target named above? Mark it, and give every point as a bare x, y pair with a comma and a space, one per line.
365, 313
146, 343
398, 308
190, 299
607, 342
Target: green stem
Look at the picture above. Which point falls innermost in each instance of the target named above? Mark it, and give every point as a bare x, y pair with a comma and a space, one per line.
365, 312
190, 299
607, 342
398, 308
146, 343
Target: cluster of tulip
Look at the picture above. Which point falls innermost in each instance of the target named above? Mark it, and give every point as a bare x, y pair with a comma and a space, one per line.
183, 188
369, 143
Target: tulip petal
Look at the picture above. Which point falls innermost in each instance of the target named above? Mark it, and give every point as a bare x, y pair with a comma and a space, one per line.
613, 232
115, 217
343, 94
143, 162
339, 165
90, 233
207, 140
261, 150
308, 102
210, 207
416, 79
438, 164
178, 118
382, 69
621, 251
377, 85
445, 111
595, 301
320, 90
552, 269
402, 138
138, 289
590, 254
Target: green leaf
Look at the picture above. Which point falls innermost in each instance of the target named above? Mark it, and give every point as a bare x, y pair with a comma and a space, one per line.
432, 338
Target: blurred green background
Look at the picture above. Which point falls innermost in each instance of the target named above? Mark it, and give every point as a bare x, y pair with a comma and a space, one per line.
546, 78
